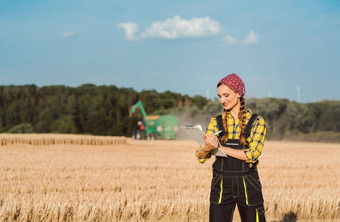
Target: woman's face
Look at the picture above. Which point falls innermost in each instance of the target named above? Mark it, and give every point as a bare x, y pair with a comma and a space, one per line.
228, 98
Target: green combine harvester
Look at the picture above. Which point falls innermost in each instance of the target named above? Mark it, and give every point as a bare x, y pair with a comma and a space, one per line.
154, 127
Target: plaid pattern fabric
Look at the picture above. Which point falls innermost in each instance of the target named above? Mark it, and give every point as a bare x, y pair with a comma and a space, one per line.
202, 160
255, 140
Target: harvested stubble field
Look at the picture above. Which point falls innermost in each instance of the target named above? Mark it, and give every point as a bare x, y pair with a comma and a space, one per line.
155, 181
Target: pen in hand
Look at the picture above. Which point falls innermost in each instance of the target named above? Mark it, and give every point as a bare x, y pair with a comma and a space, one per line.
217, 133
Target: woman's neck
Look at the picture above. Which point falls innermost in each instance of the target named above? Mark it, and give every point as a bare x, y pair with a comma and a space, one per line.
234, 113
235, 110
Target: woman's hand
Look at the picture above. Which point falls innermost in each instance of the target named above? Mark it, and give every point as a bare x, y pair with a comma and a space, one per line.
211, 142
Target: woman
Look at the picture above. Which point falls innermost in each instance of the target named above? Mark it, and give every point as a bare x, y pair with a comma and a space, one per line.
235, 178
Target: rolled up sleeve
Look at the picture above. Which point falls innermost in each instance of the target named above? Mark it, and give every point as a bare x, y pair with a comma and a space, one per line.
202, 160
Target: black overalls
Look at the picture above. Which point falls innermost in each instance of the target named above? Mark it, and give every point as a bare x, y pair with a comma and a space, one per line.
235, 182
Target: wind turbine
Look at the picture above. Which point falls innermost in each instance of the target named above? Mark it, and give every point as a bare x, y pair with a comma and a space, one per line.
298, 94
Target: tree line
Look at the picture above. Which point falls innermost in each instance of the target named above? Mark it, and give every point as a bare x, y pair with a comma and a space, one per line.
105, 110
286, 120
87, 109
289, 119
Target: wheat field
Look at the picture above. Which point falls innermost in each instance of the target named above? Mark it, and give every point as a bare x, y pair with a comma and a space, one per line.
133, 180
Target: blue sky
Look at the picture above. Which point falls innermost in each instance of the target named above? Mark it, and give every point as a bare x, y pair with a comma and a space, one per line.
181, 46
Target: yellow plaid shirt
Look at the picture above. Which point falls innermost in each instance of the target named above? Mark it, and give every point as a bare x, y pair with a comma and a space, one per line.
255, 140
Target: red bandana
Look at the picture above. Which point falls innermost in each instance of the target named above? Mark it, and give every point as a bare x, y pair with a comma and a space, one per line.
235, 83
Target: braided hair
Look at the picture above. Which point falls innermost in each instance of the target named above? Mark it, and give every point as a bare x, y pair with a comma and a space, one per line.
241, 116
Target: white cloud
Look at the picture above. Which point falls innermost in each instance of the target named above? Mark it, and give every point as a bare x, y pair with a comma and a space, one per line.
229, 40
174, 28
70, 35
177, 28
251, 38
130, 30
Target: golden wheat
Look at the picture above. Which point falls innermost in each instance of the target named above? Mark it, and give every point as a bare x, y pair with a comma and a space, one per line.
155, 181
53, 139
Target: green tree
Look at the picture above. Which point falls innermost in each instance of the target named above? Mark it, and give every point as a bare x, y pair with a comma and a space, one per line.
64, 124
22, 128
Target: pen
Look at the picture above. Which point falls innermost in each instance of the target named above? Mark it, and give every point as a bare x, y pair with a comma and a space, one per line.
217, 133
